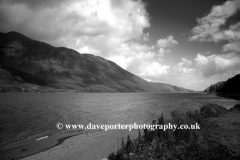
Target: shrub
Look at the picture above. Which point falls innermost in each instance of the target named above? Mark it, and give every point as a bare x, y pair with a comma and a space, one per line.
179, 144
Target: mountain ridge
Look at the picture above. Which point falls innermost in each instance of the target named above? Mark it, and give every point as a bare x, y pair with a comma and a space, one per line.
29, 65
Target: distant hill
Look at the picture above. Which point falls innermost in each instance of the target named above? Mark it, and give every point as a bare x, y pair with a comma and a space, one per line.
229, 88
28, 65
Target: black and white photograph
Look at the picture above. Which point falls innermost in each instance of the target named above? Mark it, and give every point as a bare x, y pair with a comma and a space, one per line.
119, 79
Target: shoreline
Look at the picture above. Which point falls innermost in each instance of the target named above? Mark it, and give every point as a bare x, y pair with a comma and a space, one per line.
28, 147
85, 146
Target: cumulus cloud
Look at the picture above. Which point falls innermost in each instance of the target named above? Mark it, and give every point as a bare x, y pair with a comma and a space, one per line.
153, 69
216, 27
99, 25
204, 70
185, 62
164, 45
162, 52
141, 60
234, 47
145, 37
218, 64
209, 27
185, 66
167, 42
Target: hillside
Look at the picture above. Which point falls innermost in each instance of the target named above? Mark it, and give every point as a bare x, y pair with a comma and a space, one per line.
215, 87
229, 88
28, 65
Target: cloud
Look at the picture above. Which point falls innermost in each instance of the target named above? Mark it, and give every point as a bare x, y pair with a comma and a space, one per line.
217, 26
153, 69
185, 66
145, 37
98, 24
185, 62
234, 47
167, 42
218, 64
209, 27
203, 70
162, 52
140, 60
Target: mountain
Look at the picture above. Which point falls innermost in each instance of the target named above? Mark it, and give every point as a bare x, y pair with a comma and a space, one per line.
28, 65
229, 88
214, 88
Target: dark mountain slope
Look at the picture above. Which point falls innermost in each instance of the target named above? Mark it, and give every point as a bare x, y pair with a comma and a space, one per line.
215, 87
229, 88
26, 62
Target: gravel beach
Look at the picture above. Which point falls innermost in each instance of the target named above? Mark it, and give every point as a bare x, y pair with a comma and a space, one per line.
92, 146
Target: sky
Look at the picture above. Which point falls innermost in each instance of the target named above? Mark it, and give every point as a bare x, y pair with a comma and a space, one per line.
187, 43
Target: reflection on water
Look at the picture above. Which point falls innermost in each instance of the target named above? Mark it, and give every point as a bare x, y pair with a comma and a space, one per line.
24, 115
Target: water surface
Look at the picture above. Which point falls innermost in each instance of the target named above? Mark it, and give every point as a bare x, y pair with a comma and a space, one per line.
35, 115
